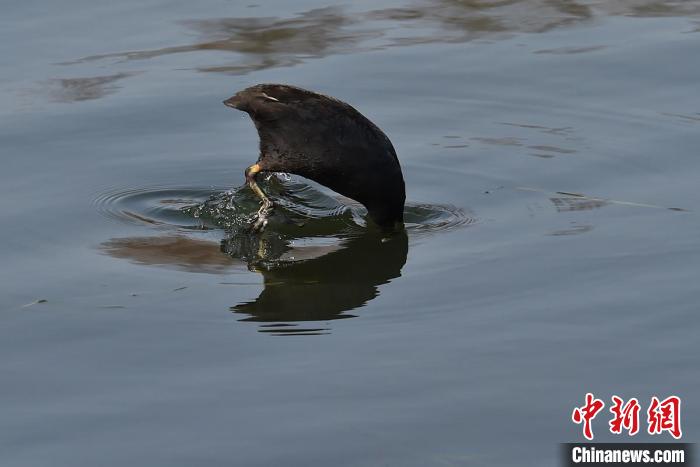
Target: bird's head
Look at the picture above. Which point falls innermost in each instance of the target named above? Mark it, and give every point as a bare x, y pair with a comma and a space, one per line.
260, 99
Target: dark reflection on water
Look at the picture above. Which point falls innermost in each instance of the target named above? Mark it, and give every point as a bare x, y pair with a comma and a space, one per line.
571, 50
654, 9
84, 89
573, 230
172, 251
567, 201
315, 283
570, 203
560, 140
686, 118
265, 42
326, 287
270, 42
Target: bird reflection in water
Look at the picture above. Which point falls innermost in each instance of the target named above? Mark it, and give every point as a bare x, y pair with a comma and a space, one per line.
313, 282
340, 278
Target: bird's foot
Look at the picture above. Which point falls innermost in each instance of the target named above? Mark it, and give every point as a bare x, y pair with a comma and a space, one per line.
261, 219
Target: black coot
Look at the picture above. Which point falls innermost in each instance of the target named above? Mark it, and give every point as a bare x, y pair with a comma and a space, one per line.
326, 140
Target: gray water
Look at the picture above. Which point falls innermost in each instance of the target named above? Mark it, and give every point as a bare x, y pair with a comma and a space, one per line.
550, 151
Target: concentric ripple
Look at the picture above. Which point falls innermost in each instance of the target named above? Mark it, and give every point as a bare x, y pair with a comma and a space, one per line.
301, 210
154, 206
421, 219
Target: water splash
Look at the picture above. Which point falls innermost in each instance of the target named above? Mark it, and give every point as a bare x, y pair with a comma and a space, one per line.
301, 210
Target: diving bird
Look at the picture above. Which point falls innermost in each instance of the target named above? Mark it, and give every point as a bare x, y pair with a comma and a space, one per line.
325, 140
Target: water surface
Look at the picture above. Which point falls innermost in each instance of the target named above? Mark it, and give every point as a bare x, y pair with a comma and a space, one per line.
549, 150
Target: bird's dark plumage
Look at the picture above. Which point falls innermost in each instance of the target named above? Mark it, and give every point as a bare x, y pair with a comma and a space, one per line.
328, 141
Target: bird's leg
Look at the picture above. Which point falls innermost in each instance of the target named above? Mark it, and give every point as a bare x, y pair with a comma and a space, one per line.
266, 204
